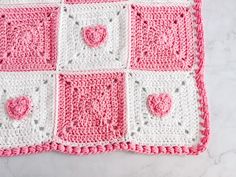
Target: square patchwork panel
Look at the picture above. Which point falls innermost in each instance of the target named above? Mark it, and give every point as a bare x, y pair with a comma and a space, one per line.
92, 76
26, 109
162, 38
163, 109
28, 38
92, 109
94, 37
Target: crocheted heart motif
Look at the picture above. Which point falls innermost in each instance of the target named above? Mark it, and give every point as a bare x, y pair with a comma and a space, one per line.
95, 36
18, 108
159, 105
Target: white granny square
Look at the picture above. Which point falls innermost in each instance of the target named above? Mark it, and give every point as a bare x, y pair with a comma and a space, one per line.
76, 54
37, 127
178, 128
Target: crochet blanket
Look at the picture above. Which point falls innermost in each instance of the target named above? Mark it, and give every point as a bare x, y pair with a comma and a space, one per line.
94, 76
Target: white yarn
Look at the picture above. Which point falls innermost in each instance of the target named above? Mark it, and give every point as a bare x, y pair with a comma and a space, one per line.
76, 54
180, 127
38, 126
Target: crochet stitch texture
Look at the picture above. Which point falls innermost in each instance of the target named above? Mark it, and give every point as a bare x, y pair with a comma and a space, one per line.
93, 76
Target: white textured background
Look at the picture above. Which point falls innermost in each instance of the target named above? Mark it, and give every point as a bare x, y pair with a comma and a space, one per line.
220, 158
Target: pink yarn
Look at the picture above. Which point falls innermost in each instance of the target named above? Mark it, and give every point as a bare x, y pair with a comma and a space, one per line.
91, 107
18, 108
159, 105
162, 38
28, 38
95, 36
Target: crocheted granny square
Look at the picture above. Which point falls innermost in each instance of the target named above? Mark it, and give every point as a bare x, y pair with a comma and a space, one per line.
26, 109
94, 37
28, 38
162, 38
91, 108
169, 120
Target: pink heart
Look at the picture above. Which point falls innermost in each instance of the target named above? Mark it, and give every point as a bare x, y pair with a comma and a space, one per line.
159, 105
95, 36
18, 108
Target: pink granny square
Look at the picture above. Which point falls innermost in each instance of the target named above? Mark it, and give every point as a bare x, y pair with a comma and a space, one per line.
28, 38
161, 38
91, 107
89, 1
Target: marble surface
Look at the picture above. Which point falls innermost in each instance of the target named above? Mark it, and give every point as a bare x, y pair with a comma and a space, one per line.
220, 158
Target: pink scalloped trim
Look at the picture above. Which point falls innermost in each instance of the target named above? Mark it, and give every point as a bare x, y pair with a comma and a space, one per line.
45, 147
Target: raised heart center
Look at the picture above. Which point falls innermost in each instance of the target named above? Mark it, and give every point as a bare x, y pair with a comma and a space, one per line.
18, 108
95, 36
159, 104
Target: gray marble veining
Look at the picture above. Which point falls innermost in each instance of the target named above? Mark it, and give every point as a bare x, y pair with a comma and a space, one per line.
220, 158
